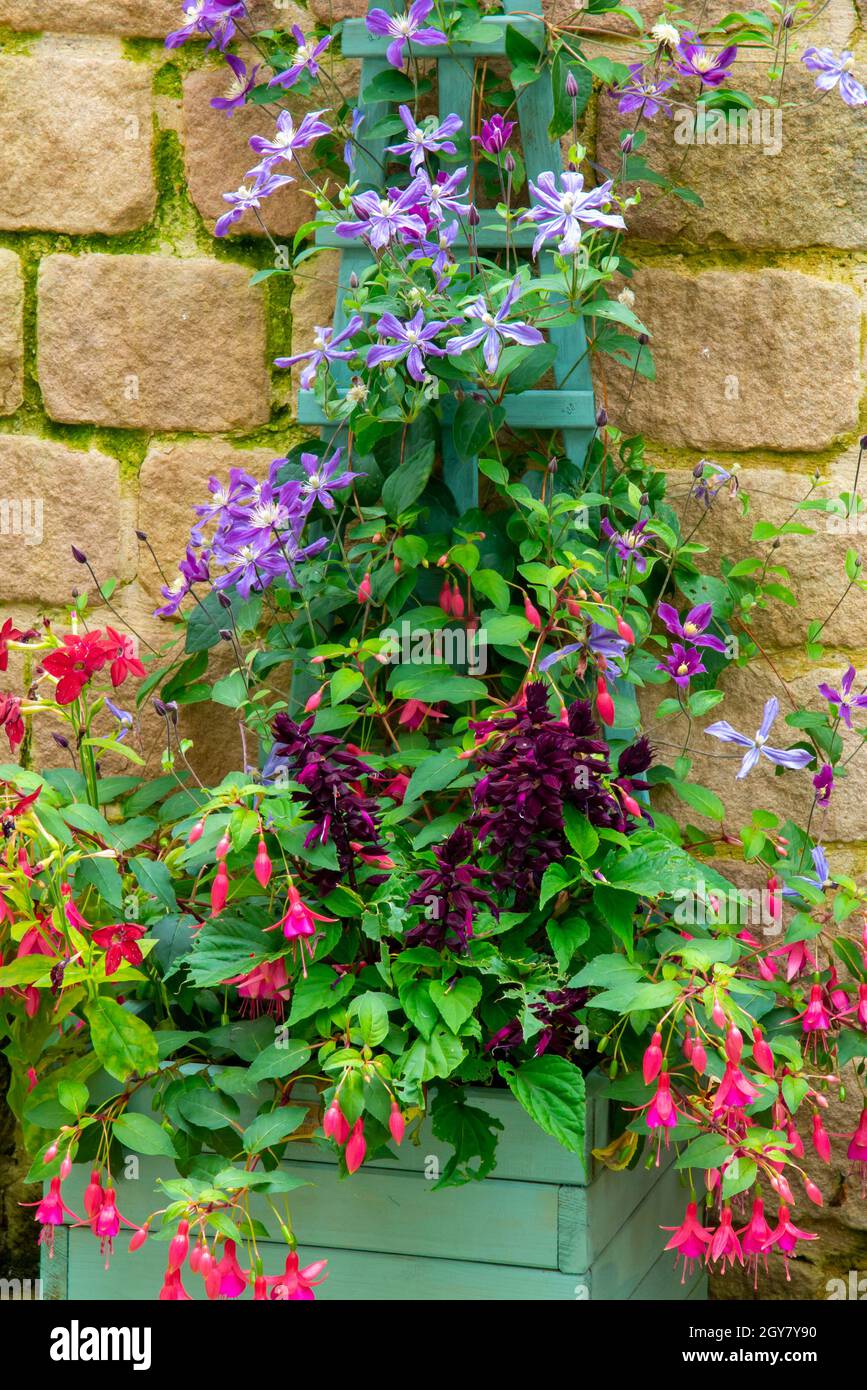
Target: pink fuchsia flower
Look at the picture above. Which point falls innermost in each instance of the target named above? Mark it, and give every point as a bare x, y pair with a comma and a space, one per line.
267, 984
297, 1285
662, 1111
754, 1239
233, 1279
786, 1237
299, 925
815, 1016
414, 713
735, 1090
306, 59
725, 1245
49, 1214
560, 212
403, 29
356, 1147
694, 625
843, 698
431, 137
495, 329
832, 70
857, 1150
797, 956
172, 1290
757, 747
241, 84
120, 943
690, 1240
335, 1124
821, 1141
682, 665
694, 60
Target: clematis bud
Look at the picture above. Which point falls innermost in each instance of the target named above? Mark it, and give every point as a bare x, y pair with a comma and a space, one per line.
571, 86
396, 1123
356, 1147
262, 867
652, 1064
219, 890
364, 591
604, 702
532, 615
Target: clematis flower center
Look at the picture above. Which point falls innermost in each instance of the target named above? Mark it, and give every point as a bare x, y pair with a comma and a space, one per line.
691, 629
703, 61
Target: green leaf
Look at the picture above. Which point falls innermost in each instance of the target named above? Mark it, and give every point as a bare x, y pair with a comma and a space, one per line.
566, 934
372, 1016
457, 1001
701, 799
321, 990
124, 1043
555, 879
279, 1060
207, 1109
707, 1151
143, 1135
72, 1096
472, 1133
408, 481
345, 683
154, 878
434, 683
491, 585
437, 771
224, 947
579, 832
103, 875
739, 1175
551, 1090
268, 1130
437, 1055
418, 1006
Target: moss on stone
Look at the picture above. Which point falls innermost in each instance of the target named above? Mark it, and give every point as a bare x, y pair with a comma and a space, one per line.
11, 41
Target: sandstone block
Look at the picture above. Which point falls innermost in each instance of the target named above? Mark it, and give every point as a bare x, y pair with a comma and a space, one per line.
11, 329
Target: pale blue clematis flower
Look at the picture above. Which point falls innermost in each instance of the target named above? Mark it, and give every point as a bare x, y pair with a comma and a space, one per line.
794, 758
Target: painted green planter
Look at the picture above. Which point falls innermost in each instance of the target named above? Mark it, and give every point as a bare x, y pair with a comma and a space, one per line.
535, 1230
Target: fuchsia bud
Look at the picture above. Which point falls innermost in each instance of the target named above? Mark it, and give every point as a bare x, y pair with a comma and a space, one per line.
94, 1194
219, 890
260, 1289
458, 605
213, 1281
335, 1125
196, 1256
794, 1138
262, 866
762, 1054
138, 1238
446, 598
223, 847
813, 1192
604, 702
364, 590
718, 1013
630, 804
699, 1059
179, 1246
396, 1123
315, 699
781, 1187
65, 1168
624, 630
652, 1064
734, 1044
196, 833
50, 1153
356, 1148
531, 613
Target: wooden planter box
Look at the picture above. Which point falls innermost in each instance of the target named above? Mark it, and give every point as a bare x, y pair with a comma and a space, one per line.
535, 1230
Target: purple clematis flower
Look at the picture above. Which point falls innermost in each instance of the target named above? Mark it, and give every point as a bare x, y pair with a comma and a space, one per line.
404, 28
323, 478
603, 642
694, 60
382, 220
692, 629
820, 877
432, 137
326, 348
824, 784
496, 133
832, 70
681, 665
708, 485
286, 139
627, 543
306, 59
248, 197
441, 195
494, 329
437, 252
560, 211
641, 95
214, 17
243, 81
413, 340
124, 719
757, 747
843, 698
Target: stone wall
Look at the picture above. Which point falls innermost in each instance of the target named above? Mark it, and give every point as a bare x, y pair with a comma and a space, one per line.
135, 356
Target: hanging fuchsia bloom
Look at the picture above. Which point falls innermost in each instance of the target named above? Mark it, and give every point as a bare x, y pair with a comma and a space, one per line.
267, 983
694, 60
843, 698
306, 59
233, 1279
754, 1239
49, 1214
356, 1147
725, 1245
172, 1290
107, 1223
693, 628
857, 1150
734, 1091
297, 1285
815, 1017
786, 1237
797, 956
335, 1124
821, 1142
431, 137
681, 665
662, 1111
403, 29
652, 1064
757, 747
689, 1240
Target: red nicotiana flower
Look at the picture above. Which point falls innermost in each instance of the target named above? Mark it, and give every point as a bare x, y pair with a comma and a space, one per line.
73, 664
124, 662
119, 943
9, 633
11, 721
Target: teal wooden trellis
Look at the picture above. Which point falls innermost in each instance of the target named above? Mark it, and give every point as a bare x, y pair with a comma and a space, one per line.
567, 409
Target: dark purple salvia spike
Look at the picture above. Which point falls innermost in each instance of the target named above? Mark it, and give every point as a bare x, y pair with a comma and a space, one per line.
560, 1024
329, 774
449, 895
536, 766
